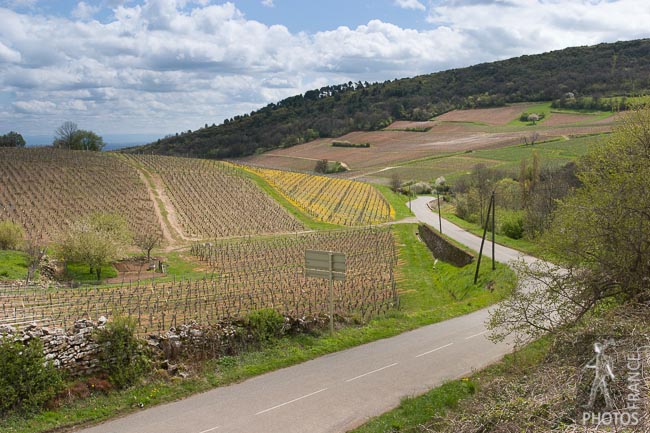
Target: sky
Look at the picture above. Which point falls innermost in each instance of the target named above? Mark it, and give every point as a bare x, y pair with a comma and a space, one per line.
147, 68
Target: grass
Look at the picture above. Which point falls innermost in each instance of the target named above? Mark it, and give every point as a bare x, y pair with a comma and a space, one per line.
542, 108
13, 265
523, 245
427, 296
396, 200
80, 272
414, 412
440, 291
453, 166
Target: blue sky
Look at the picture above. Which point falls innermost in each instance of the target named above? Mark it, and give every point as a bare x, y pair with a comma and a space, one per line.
155, 67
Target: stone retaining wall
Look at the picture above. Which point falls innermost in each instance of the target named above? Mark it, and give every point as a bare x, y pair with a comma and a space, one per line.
443, 249
74, 351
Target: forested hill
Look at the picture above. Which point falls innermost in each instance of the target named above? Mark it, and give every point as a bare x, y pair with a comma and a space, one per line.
617, 69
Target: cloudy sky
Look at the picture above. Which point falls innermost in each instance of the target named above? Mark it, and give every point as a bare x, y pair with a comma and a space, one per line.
155, 67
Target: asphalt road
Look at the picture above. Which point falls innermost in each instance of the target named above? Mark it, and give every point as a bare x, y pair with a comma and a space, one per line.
340, 391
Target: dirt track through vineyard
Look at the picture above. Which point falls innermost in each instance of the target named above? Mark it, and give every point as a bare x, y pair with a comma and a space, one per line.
172, 230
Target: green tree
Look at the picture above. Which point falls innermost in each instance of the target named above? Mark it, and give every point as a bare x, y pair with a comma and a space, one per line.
600, 237
69, 136
11, 235
96, 240
12, 139
88, 140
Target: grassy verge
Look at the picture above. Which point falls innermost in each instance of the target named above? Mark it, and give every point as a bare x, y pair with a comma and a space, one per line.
13, 265
80, 272
396, 200
415, 412
428, 295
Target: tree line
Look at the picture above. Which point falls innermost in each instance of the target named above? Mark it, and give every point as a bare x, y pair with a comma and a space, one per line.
66, 136
604, 70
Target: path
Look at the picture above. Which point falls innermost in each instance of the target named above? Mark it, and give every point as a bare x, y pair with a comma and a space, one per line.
167, 235
340, 391
173, 233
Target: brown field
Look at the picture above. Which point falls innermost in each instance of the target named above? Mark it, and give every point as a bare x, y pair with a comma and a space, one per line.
391, 147
248, 275
489, 116
386, 147
46, 190
406, 124
561, 119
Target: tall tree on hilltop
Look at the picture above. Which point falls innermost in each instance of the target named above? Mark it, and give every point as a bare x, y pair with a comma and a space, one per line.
69, 136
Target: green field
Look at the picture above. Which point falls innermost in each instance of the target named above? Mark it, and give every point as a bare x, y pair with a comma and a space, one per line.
506, 158
13, 265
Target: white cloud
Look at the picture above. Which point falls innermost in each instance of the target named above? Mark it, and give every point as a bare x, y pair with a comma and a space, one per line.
84, 11
35, 107
268, 3
8, 55
19, 3
409, 4
161, 66
510, 28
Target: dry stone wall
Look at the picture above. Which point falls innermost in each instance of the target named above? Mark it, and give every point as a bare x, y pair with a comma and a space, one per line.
74, 351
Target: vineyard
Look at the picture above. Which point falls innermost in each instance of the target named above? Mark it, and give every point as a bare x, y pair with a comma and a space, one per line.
336, 201
45, 190
247, 275
214, 199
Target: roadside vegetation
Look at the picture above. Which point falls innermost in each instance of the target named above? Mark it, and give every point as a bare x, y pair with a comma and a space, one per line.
429, 292
593, 302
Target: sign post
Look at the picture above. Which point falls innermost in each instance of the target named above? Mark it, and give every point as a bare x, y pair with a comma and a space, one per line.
326, 264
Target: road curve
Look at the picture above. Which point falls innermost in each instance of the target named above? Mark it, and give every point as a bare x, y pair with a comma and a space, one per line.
340, 391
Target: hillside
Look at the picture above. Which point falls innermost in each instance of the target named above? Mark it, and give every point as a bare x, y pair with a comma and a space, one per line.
617, 69
47, 190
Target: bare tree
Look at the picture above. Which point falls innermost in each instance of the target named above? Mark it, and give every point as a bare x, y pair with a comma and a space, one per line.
321, 166
35, 253
65, 135
395, 182
532, 140
147, 241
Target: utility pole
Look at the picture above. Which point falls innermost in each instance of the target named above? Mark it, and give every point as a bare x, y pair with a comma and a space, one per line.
494, 206
439, 214
480, 253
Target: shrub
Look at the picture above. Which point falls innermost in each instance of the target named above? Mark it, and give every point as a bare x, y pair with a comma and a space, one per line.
11, 235
122, 355
512, 225
265, 324
421, 188
348, 144
26, 381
